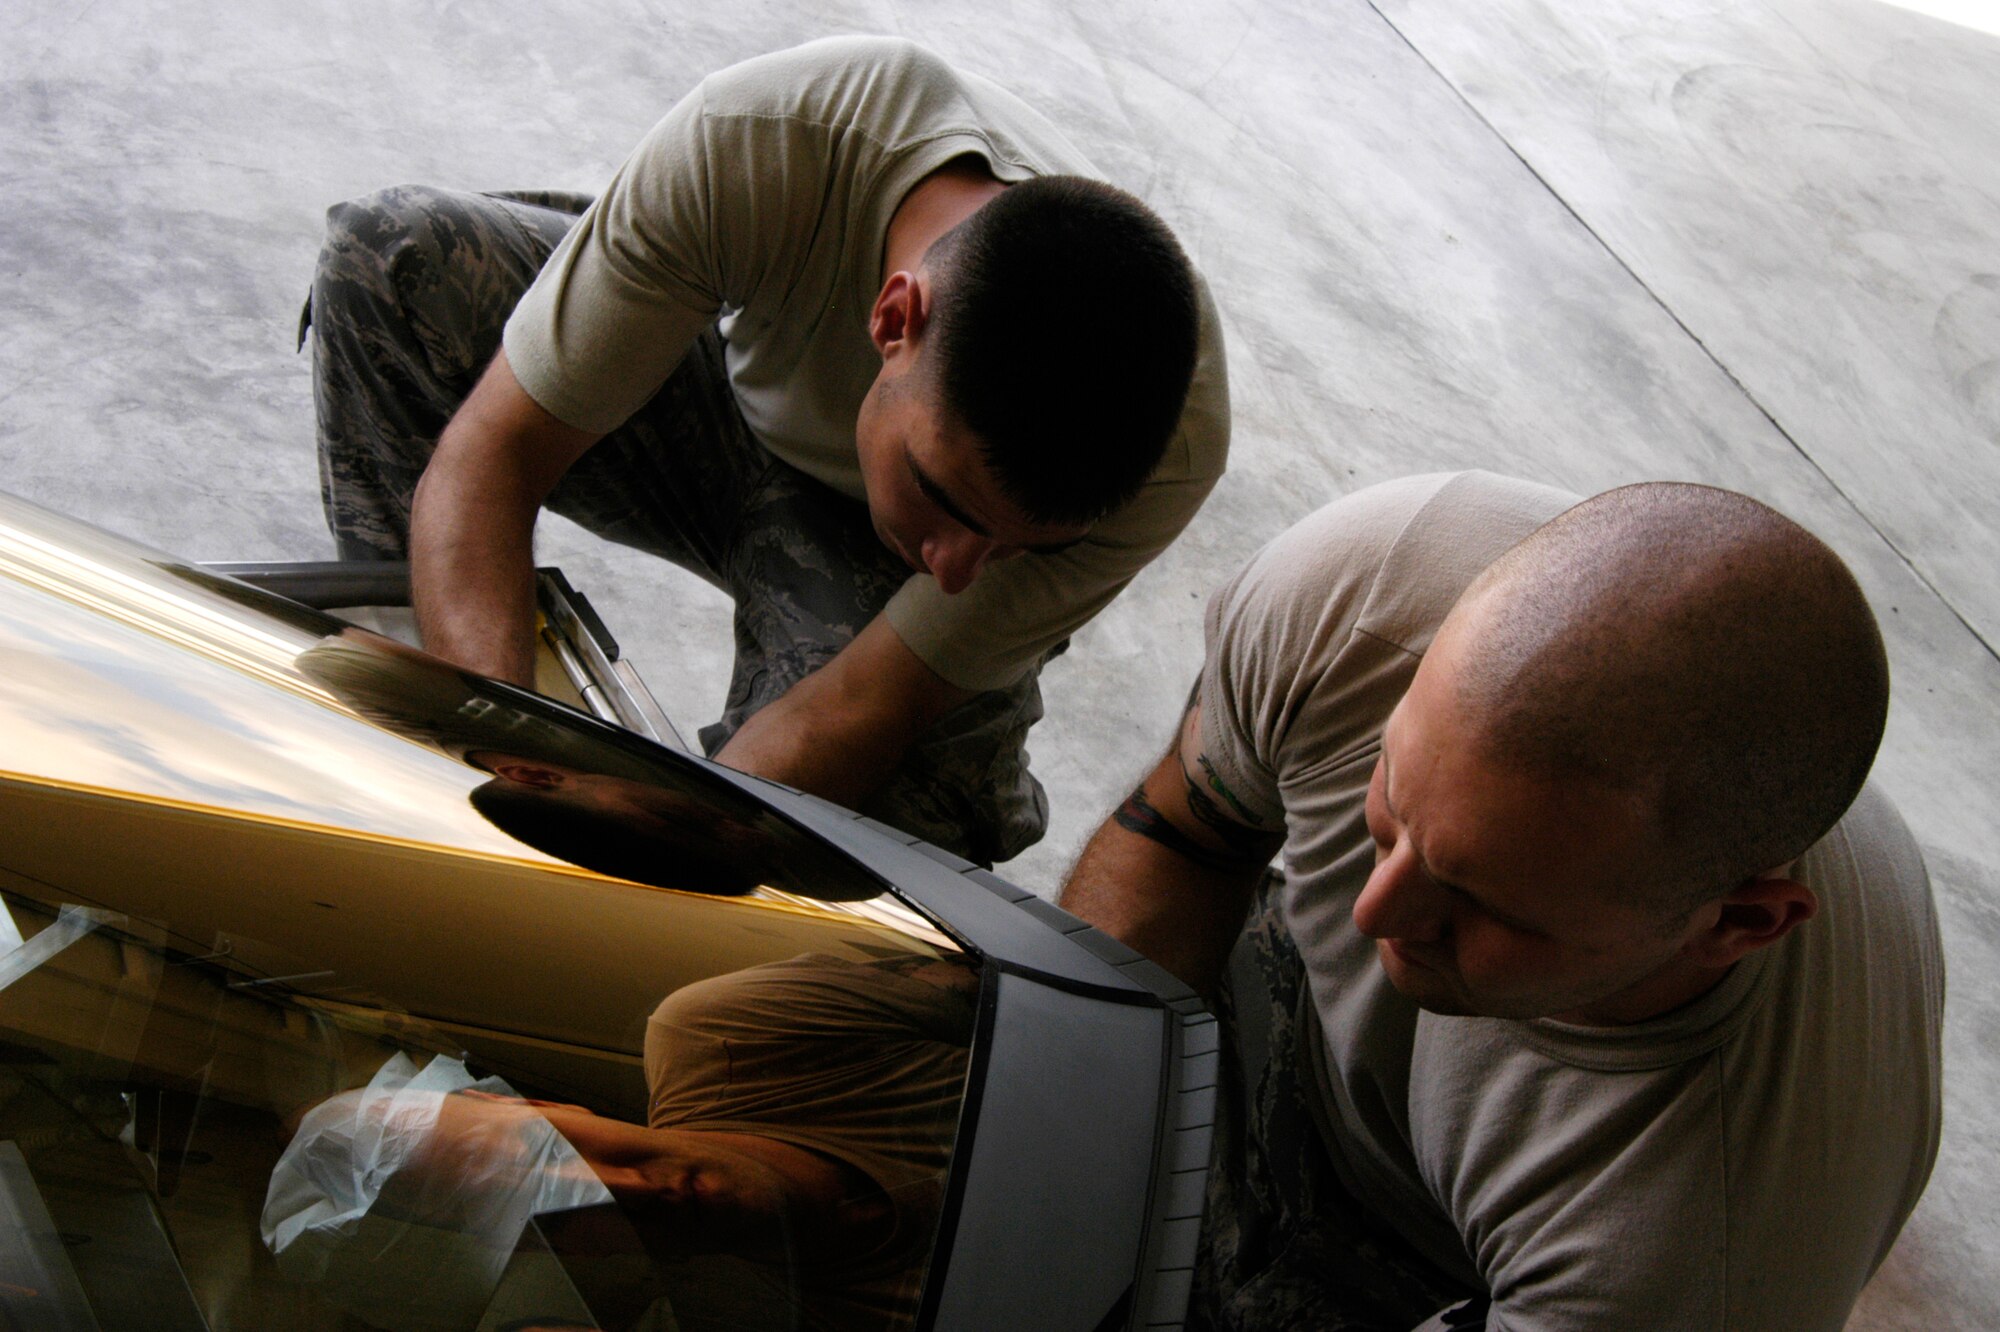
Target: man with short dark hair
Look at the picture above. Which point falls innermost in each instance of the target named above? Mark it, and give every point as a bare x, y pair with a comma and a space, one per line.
957, 396
1600, 991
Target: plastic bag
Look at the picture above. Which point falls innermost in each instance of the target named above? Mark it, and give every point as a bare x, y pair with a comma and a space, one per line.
404, 1208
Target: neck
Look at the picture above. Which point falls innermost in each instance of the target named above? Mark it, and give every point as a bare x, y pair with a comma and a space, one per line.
940, 201
1677, 983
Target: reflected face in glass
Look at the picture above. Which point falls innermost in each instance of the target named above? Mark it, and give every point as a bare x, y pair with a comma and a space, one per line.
755, 1197
710, 1193
659, 810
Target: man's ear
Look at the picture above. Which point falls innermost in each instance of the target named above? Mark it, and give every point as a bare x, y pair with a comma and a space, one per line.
1754, 914
902, 309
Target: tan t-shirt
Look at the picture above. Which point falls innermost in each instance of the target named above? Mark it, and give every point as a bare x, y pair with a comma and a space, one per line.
853, 1061
766, 196
1741, 1163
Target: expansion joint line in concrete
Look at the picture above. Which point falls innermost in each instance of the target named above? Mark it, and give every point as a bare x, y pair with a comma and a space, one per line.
1647, 287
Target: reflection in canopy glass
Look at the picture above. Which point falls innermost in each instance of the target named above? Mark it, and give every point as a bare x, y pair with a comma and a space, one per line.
297, 965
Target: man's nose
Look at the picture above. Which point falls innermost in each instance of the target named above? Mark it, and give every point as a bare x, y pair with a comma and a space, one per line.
1399, 901
956, 559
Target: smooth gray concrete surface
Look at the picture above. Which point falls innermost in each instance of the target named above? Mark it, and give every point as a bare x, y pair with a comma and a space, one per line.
1756, 245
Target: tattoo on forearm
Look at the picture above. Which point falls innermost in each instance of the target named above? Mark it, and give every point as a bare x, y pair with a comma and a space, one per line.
1221, 788
1138, 815
1245, 841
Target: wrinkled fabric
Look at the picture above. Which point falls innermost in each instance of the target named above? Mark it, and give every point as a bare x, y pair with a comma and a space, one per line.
414, 1249
412, 291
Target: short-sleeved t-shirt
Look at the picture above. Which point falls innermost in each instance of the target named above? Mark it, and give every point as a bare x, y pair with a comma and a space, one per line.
1743, 1162
843, 1058
850, 1060
765, 196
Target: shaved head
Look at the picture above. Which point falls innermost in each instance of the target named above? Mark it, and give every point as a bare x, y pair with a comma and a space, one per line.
1688, 646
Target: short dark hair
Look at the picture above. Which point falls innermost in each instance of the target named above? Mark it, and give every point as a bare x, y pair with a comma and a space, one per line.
1065, 327
1698, 648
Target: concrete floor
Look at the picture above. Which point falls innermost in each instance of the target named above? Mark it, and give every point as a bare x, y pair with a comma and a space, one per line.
1756, 245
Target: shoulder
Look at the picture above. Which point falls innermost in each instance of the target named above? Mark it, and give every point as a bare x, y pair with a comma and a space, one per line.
906, 100
1199, 452
1555, 1176
833, 78
1870, 851
1871, 958
1391, 559
1310, 645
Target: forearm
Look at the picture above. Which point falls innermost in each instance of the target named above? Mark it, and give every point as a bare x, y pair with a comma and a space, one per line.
1182, 916
842, 731
472, 572
1173, 870
806, 740
1147, 884
472, 522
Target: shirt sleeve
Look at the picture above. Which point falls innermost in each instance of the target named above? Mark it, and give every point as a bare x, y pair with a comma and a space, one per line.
986, 636
685, 229
1277, 633
1312, 644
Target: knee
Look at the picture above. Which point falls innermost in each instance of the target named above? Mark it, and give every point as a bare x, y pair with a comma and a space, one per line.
364, 235
375, 221
389, 266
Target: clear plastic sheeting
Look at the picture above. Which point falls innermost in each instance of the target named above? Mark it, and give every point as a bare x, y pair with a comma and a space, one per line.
18, 957
407, 1217
192, 1142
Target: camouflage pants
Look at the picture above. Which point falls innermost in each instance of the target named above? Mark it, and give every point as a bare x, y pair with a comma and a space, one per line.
412, 291
1284, 1247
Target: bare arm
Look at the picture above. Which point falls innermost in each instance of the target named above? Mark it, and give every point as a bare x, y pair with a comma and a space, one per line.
472, 525
841, 731
1172, 871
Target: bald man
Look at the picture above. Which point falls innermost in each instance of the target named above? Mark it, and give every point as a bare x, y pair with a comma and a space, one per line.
1599, 990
